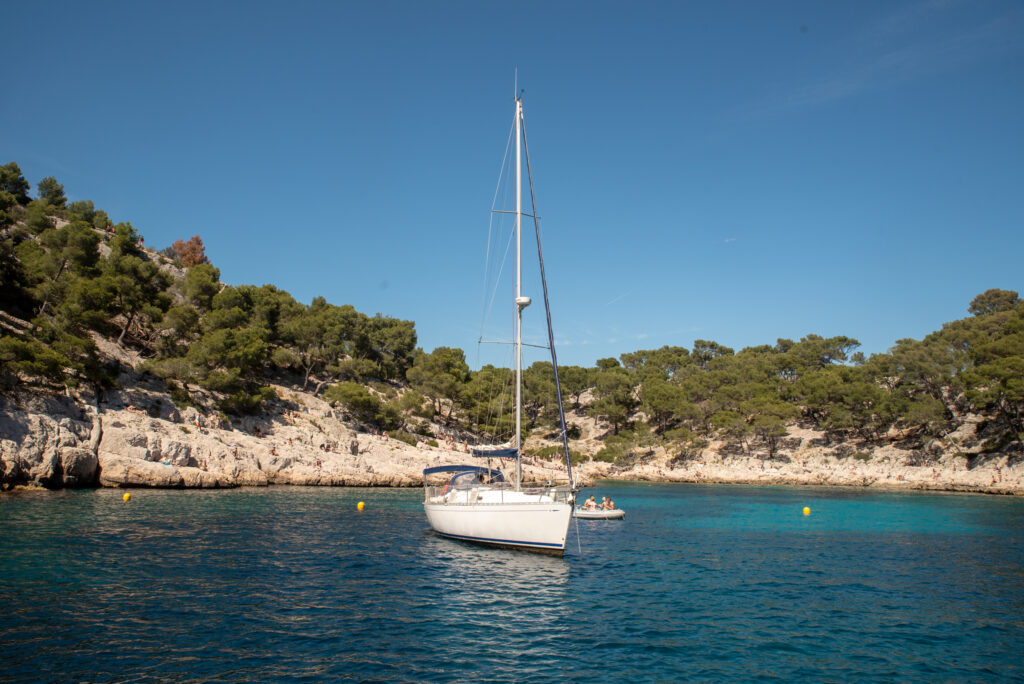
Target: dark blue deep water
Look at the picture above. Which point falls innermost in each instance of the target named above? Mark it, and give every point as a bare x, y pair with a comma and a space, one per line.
698, 583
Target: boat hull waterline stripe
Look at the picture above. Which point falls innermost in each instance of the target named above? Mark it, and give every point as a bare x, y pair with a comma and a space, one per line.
508, 542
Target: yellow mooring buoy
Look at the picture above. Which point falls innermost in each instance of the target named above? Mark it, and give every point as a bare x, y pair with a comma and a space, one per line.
127, 497
807, 511
360, 505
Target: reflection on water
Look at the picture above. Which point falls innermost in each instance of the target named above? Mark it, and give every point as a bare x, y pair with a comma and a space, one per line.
698, 582
495, 586
464, 565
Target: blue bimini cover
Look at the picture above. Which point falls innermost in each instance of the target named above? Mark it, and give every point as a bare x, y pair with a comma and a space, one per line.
464, 469
496, 453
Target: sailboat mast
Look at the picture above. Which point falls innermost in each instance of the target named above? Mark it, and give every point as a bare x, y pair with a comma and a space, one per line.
518, 349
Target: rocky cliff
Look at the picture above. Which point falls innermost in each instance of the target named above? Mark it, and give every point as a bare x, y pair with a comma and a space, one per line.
136, 438
58, 442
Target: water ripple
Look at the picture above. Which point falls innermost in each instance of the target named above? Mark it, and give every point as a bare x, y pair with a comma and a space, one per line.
705, 583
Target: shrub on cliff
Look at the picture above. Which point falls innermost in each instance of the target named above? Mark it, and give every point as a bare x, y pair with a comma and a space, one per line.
355, 399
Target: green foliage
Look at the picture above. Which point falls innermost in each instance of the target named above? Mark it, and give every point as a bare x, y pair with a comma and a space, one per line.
181, 325
575, 381
768, 417
51, 192
174, 368
31, 358
246, 402
321, 335
389, 342
684, 439
201, 285
705, 351
411, 440
86, 212
664, 402
53, 355
732, 424
179, 395
815, 352
993, 301
14, 184
440, 376
389, 417
241, 350
356, 370
39, 216
384, 389
356, 400
488, 401
625, 446
662, 364
539, 400
556, 452
13, 280
994, 379
283, 357
615, 397
137, 283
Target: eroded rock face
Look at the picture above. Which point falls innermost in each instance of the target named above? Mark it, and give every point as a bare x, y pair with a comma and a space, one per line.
56, 443
79, 466
43, 449
60, 444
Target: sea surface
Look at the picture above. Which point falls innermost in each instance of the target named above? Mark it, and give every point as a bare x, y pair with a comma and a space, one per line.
699, 582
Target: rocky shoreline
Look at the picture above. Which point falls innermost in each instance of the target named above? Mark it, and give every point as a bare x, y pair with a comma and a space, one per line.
57, 442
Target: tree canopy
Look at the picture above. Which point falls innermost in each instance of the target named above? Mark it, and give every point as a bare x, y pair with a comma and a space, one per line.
68, 274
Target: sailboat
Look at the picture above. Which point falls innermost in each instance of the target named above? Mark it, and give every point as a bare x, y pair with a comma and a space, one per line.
477, 503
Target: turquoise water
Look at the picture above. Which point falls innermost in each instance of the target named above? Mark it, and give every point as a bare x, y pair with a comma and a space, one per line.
698, 583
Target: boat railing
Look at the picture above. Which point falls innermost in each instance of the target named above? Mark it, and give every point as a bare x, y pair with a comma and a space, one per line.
562, 493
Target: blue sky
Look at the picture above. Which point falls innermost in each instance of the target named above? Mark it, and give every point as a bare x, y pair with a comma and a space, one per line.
738, 172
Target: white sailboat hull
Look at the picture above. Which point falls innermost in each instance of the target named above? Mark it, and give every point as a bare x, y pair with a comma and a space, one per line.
535, 525
478, 504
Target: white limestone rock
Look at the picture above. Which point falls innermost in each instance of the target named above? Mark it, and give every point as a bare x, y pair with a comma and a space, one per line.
78, 466
117, 470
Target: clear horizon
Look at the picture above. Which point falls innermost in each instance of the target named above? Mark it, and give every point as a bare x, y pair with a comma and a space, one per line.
731, 172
